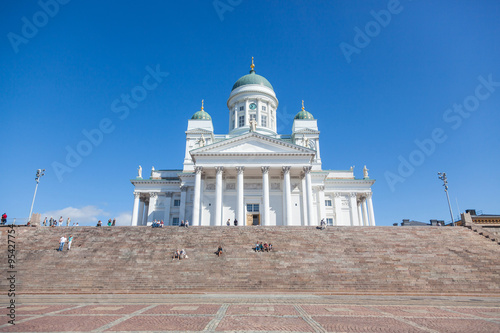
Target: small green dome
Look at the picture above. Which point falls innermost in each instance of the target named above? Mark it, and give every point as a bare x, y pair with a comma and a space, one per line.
304, 114
252, 78
201, 115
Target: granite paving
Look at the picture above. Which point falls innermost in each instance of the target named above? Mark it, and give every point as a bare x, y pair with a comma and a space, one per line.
252, 313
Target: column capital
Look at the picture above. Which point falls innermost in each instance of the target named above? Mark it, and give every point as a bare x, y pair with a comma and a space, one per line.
265, 169
137, 195
369, 195
240, 169
153, 195
198, 169
286, 169
353, 194
183, 188
219, 169
320, 188
307, 169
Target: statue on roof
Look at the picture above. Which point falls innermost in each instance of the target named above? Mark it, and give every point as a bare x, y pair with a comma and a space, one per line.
253, 125
365, 172
139, 172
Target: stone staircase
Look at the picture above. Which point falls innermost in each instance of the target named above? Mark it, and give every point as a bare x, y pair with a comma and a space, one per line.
347, 260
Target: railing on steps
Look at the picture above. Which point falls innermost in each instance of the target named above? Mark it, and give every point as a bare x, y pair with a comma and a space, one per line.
479, 229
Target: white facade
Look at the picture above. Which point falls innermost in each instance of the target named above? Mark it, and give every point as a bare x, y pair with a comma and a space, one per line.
253, 174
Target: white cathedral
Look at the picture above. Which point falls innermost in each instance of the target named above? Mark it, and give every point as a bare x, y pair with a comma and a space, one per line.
253, 174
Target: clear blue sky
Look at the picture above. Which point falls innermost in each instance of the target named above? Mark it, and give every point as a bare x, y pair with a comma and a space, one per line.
399, 84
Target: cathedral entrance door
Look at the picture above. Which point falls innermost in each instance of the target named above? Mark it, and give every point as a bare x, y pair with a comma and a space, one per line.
255, 219
249, 219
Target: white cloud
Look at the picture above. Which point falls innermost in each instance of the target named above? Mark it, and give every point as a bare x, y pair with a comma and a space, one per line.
89, 215
84, 216
125, 218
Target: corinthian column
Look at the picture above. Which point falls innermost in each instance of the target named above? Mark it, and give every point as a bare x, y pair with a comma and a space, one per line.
135, 211
288, 220
365, 212
265, 193
152, 205
240, 209
354, 209
310, 216
218, 196
370, 210
196, 199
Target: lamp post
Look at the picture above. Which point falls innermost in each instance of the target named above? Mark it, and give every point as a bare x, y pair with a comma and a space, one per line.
39, 174
442, 176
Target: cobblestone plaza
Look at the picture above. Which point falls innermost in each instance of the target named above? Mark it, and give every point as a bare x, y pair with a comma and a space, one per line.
253, 313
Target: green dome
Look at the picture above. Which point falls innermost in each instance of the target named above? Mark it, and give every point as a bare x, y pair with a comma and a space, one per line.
252, 78
304, 115
201, 115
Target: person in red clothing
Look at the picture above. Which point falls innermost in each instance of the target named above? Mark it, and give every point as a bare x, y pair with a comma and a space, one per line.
4, 218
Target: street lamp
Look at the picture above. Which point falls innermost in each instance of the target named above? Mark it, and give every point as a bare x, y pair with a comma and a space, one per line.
39, 174
442, 176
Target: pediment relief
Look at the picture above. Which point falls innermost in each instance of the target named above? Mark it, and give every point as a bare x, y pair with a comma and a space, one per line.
252, 143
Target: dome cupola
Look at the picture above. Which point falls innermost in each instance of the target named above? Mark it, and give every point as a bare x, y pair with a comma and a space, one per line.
304, 115
201, 115
252, 78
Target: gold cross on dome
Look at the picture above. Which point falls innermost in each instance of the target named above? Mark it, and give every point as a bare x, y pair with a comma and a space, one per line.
302, 105
252, 66
202, 104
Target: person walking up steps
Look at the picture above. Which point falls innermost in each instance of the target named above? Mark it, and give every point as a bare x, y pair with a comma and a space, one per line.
70, 239
61, 243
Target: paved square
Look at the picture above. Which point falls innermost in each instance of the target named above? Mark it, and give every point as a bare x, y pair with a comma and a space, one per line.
253, 313
418, 311
193, 309
275, 310
264, 323
39, 310
480, 312
100, 309
458, 325
162, 323
333, 310
61, 324
365, 324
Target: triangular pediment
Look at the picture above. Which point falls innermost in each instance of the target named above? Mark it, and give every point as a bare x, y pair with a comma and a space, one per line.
252, 143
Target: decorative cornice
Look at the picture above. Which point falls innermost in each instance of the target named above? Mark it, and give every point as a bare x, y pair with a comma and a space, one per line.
304, 150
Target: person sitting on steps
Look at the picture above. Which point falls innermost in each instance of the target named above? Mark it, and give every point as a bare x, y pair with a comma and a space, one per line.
256, 246
219, 250
177, 255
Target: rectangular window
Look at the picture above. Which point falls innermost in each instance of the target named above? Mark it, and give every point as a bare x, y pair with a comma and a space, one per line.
328, 203
253, 208
242, 108
263, 108
263, 121
253, 116
241, 121
175, 221
329, 221
177, 202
